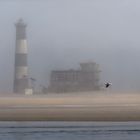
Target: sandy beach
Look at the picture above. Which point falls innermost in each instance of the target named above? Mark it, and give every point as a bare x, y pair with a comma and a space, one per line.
71, 107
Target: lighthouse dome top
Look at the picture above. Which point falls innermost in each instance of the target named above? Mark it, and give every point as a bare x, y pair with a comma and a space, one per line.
20, 22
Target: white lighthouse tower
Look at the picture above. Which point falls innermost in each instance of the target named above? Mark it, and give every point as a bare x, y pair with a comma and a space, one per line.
21, 81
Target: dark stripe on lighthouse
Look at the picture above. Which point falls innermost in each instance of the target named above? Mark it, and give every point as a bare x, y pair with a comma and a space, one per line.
20, 31
21, 60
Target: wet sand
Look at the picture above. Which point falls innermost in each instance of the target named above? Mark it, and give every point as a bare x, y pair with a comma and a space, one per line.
71, 107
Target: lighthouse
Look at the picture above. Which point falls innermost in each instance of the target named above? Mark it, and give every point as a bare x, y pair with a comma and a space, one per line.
21, 78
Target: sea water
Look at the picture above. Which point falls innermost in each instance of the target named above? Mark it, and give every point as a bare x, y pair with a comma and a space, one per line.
69, 130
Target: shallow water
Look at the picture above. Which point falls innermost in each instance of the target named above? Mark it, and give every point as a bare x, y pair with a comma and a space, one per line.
69, 130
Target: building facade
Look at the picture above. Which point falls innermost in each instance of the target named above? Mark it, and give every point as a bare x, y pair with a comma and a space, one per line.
84, 79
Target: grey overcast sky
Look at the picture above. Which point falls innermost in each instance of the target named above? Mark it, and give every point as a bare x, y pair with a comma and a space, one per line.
62, 33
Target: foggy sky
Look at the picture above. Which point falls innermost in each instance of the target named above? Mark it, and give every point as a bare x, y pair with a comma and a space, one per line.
62, 33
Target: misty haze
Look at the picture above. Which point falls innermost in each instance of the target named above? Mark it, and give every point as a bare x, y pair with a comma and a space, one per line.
69, 69
61, 34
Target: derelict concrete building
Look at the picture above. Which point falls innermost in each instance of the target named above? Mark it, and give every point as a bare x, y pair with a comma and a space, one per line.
84, 79
21, 82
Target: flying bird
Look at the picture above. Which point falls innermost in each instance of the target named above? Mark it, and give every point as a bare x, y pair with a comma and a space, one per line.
107, 85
